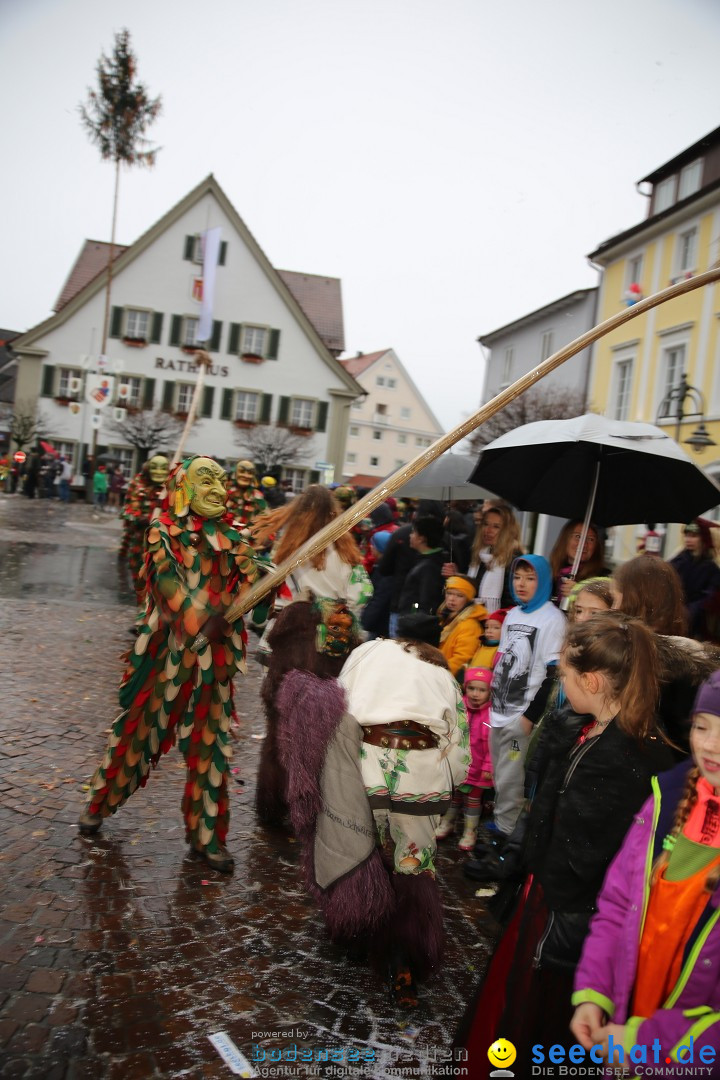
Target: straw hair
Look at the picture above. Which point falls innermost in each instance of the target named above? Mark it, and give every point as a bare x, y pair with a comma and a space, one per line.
300, 519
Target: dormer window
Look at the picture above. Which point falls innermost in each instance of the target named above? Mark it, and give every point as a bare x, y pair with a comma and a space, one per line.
690, 179
664, 194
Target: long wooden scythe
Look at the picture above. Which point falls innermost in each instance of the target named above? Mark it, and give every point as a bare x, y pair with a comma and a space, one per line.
362, 508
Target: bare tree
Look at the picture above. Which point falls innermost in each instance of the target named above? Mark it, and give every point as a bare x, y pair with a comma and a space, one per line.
538, 403
272, 447
148, 431
116, 117
27, 424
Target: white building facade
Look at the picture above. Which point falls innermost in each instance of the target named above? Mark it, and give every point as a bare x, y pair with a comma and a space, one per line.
390, 425
270, 366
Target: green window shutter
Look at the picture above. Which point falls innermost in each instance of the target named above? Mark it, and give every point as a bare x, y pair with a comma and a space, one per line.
148, 398
322, 413
116, 322
272, 353
214, 345
168, 395
314, 476
234, 342
284, 410
207, 402
189, 247
227, 401
266, 408
222, 254
156, 332
176, 329
48, 381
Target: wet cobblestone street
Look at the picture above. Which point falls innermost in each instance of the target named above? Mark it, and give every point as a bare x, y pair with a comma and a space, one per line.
120, 954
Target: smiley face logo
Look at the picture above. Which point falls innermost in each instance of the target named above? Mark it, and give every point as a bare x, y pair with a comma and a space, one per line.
502, 1053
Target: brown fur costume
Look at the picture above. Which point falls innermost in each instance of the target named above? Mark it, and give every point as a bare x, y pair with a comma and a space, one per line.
293, 643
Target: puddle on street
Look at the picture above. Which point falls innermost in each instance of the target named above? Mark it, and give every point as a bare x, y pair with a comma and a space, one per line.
61, 572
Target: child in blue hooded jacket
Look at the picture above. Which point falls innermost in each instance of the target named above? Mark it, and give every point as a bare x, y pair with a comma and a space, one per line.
530, 644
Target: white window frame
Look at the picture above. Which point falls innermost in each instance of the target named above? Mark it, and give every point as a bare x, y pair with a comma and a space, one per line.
664, 194
622, 381
508, 360
672, 367
133, 316
66, 449
399, 463
546, 344
686, 251
354, 431
125, 455
392, 383
245, 408
634, 266
690, 178
297, 478
190, 326
64, 377
379, 380
405, 413
254, 340
183, 396
351, 458
374, 462
302, 412
134, 383
377, 435
402, 437
358, 404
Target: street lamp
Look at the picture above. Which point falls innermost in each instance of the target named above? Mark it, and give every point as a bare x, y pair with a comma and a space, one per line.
678, 395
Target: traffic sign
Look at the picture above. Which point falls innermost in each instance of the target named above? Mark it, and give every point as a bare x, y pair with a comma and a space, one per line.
19, 456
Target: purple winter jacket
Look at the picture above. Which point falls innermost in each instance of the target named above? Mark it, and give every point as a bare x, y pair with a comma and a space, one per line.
605, 975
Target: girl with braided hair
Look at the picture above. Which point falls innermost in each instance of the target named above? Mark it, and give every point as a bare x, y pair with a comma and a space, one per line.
650, 967
196, 564
600, 760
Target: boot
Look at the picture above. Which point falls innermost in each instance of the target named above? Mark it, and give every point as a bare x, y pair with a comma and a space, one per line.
486, 862
220, 860
469, 836
89, 824
447, 824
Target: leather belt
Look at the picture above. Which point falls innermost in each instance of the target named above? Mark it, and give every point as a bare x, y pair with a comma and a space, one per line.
404, 735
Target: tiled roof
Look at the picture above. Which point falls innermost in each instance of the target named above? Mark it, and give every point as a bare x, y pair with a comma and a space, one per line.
6, 336
355, 365
91, 261
363, 480
321, 300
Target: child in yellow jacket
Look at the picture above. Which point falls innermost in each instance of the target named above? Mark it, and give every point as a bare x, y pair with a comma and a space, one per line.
462, 622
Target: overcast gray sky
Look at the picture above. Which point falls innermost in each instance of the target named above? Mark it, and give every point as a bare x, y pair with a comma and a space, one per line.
453, 161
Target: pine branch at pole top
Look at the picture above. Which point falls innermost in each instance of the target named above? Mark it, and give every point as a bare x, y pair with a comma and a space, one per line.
363, 507
202, 359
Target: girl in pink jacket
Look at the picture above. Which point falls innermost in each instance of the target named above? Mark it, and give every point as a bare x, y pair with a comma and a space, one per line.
480, 778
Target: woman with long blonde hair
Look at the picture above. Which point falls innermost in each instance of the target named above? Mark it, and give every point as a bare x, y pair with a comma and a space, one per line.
495, 545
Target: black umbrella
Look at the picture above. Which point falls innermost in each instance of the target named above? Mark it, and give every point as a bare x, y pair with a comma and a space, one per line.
608, 471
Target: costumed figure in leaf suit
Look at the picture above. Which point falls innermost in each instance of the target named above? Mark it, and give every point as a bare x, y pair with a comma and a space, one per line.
143, 496
245, 500
196, 564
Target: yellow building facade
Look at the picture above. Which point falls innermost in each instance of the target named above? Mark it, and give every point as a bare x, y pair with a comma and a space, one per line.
664, 366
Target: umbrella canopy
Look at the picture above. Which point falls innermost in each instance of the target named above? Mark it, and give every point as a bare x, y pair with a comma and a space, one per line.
444, 479
552, 466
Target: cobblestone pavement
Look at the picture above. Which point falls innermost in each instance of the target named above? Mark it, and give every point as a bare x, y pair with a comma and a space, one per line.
120, 954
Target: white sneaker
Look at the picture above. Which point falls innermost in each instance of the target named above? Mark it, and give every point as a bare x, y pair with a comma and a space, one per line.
446, 827
468, 838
